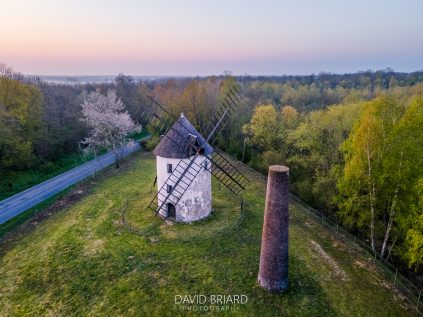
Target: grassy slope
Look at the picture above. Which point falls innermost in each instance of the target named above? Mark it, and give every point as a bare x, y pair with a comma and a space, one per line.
83, 261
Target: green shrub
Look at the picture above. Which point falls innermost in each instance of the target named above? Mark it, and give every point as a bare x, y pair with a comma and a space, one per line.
152, 143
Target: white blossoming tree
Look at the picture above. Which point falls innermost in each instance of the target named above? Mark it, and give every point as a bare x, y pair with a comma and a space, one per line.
109, 123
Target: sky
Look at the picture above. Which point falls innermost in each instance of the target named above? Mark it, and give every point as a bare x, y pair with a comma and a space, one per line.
205, 37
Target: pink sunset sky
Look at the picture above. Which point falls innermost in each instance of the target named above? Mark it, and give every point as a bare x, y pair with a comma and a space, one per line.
190, 37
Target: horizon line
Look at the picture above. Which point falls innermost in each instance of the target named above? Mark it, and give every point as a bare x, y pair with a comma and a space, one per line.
387, 69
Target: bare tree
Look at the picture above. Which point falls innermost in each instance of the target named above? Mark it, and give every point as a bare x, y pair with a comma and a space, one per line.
8, 72
109, 122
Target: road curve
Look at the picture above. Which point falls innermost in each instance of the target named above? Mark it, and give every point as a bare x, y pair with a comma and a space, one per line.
18, 203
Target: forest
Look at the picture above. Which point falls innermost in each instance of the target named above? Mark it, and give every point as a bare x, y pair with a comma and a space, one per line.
353, 142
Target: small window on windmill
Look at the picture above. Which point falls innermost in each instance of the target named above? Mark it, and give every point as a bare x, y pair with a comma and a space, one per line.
169, 168
169, 188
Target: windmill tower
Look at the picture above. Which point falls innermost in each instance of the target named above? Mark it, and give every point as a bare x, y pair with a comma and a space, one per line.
192, 152
195, 203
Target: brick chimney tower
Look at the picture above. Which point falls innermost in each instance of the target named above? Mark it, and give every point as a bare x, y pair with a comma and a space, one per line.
273, 270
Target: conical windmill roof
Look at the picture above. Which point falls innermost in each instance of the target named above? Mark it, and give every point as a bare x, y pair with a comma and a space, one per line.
182, 128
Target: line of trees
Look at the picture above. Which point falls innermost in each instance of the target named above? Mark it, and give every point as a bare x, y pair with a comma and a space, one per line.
42, 126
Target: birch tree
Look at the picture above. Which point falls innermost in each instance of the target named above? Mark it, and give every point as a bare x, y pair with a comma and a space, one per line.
110, 124
373, 174
404, 168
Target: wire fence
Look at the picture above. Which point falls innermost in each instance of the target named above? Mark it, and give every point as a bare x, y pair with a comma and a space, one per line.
412, 292
405, 286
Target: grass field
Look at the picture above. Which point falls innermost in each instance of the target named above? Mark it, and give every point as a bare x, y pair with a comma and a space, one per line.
106, 255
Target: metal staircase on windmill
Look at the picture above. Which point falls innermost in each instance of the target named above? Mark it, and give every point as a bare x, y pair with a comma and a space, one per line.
161, 121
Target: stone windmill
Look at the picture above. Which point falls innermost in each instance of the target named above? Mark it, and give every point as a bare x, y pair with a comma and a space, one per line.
195, 203
186, 160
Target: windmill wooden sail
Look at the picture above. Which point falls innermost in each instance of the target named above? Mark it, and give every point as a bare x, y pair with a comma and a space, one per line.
181, 135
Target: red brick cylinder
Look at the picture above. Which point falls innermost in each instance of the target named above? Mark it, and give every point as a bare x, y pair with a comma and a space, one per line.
273, 270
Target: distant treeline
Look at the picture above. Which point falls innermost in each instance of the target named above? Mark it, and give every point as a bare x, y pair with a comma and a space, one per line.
354, 80
353, 142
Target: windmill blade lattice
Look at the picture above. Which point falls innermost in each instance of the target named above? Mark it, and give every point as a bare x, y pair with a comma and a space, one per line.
227, 174
161, 121
222, 169
184, 174
226, 109
180, 180
155, 116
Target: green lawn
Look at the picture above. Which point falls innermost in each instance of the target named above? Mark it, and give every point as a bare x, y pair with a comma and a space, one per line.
84, 260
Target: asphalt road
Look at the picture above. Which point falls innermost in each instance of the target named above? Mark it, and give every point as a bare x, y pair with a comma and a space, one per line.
18, 203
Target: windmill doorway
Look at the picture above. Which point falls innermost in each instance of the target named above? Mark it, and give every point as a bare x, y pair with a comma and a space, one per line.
171, 210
